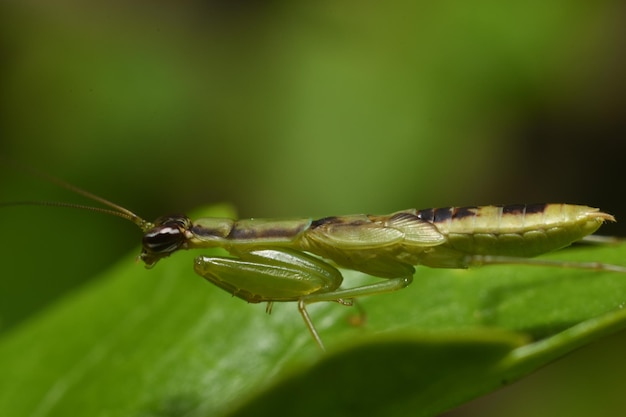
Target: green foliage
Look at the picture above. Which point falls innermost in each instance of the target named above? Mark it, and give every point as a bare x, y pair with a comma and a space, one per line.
164, 343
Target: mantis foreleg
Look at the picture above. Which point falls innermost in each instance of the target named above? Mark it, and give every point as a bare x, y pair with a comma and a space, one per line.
279, 274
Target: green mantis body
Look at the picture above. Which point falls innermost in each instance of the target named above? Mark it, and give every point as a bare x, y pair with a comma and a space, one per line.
297, 259
272, 259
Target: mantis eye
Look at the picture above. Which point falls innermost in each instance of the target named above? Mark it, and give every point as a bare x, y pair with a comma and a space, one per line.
166, 237
163, 239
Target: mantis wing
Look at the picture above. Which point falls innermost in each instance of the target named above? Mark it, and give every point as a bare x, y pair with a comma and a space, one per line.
401, 228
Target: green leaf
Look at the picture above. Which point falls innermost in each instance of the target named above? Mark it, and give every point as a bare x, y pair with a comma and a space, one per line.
163, 342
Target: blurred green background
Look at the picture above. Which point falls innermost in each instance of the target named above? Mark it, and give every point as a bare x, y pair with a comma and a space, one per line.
308, 109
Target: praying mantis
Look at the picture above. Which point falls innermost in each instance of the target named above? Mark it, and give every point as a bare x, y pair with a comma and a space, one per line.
297, 260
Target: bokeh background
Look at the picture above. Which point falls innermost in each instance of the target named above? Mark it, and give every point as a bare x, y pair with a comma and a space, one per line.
308, 109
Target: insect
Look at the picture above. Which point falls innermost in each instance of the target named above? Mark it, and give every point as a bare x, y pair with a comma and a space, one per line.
297, 259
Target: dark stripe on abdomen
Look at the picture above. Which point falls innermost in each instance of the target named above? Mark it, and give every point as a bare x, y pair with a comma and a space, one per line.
443, 214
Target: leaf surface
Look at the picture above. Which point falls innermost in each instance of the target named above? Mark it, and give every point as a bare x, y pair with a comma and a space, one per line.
164, 342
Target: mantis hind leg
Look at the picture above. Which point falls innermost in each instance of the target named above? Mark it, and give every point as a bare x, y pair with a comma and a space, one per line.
478, 260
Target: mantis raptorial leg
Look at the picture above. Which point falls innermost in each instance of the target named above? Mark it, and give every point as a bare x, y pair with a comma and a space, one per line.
270, 275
